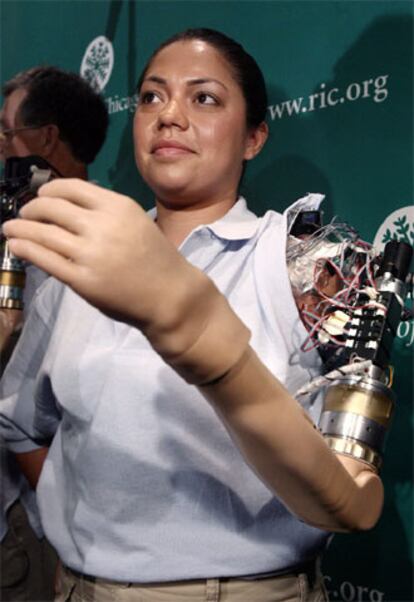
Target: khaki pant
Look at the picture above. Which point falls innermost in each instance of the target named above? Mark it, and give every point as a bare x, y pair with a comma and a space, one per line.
286, 588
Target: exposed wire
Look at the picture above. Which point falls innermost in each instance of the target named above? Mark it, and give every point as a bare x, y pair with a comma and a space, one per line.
331, 271
322, 381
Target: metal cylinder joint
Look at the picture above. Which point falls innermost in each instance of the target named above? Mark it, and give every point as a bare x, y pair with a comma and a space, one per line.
356, 417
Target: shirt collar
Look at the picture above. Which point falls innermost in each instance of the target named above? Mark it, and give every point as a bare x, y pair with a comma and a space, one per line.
239, 223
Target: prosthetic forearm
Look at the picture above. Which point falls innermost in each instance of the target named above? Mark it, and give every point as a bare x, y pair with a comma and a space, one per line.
271, 429
280, 442
92, 236
209, 348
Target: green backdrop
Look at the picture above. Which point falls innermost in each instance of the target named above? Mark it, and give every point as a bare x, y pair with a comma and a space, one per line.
340, 80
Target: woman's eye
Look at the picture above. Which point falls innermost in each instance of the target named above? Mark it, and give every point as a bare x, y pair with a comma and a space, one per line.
147, 98
206, 99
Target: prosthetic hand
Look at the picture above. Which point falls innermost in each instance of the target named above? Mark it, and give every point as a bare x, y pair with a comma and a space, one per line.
107, 250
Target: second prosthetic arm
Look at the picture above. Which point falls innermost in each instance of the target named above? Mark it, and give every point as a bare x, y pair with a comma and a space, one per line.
89, 238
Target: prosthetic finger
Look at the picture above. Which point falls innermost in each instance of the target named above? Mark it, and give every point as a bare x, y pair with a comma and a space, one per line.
81, 193
58, 211
47, 260
48, 236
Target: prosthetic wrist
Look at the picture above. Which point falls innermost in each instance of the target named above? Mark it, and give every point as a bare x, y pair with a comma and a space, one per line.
189, 336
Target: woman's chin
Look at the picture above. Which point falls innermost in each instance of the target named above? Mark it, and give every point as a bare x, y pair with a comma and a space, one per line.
175, 193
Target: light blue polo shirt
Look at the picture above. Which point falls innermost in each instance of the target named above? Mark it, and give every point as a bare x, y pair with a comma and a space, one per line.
142, 481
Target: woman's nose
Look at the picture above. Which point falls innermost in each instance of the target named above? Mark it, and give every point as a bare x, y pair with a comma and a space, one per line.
173, 114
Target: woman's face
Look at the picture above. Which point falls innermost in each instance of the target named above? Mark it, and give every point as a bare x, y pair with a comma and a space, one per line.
190, 129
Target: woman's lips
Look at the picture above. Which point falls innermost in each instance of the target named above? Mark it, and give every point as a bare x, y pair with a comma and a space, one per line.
169, 148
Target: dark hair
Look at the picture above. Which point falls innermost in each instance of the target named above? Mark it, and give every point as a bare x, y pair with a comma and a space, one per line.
66, 100
246, 71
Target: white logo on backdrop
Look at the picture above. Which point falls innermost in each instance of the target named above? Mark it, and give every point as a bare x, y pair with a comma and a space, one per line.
399, 225
98, 62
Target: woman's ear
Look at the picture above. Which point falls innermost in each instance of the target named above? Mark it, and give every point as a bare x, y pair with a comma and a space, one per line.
256, 139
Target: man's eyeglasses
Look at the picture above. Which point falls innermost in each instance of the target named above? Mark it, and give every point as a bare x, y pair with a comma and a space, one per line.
8, 133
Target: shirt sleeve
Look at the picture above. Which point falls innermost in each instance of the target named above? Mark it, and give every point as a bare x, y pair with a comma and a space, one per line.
19, 423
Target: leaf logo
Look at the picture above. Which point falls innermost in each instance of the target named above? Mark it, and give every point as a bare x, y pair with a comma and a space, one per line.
399, 225
98, 62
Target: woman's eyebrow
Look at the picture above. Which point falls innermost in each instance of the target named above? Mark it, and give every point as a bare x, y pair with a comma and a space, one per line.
205, 80
156, 79
191, 82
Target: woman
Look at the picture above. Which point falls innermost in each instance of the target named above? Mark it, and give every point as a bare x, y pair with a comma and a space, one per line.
143, 492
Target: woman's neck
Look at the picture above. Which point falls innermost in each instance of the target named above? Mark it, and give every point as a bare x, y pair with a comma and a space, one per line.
177, 223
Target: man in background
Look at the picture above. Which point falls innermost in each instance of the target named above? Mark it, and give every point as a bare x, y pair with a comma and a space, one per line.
55, 115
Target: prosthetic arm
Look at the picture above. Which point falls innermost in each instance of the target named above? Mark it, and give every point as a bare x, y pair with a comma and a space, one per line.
22, 178
351, 300
89, 238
